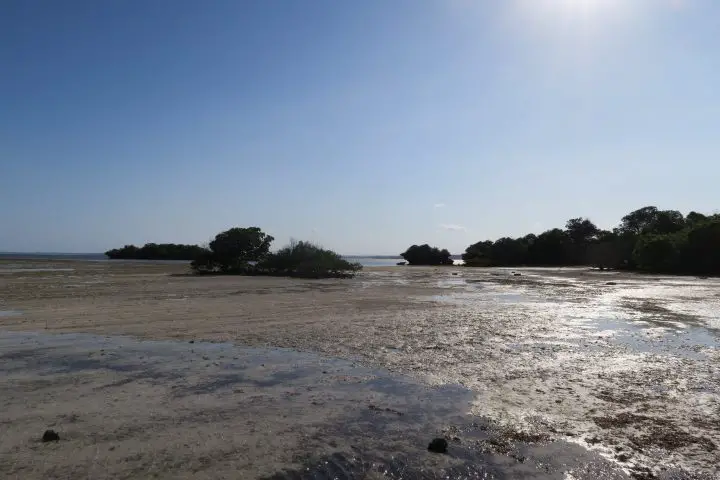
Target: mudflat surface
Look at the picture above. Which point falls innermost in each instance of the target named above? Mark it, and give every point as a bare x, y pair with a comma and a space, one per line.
132, 409
555, 373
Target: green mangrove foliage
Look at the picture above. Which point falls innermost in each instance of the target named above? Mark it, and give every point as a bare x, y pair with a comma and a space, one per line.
647, 239
426, 255
246, 251
155, 251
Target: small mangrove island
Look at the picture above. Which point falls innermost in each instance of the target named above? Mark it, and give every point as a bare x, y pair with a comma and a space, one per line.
246, 251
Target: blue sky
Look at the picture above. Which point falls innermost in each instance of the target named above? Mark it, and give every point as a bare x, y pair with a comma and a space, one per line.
365, 126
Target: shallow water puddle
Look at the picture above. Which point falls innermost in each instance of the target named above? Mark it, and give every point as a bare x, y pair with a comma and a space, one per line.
617, 316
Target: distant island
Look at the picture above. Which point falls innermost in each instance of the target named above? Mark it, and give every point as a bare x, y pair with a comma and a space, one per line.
156, 251
246, 251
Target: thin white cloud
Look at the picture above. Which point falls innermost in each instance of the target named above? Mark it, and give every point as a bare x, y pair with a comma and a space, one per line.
452, 227
439, 205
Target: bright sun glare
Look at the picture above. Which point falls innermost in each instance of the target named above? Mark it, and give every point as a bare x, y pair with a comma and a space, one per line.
593, 13
585, 8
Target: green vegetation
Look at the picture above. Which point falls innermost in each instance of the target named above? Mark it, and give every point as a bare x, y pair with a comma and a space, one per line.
237, 251
246, 251
304, 259
647, 239
426, 255
154, 251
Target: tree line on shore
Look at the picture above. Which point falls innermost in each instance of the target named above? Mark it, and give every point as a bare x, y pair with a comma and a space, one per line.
155, 251
647, 239
246, 251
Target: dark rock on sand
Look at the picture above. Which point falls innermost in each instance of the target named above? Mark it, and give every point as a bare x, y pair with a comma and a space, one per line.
50, 436
438, 445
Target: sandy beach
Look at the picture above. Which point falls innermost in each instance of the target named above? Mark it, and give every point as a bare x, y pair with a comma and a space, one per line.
147, 372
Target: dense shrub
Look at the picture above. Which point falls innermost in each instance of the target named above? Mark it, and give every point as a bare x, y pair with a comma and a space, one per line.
304, 259
238, 249
657, 253
246, 251
427, 255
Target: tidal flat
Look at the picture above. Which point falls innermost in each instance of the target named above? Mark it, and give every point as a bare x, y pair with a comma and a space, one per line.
148, 372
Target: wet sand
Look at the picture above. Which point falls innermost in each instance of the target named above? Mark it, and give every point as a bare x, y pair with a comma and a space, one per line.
563, 366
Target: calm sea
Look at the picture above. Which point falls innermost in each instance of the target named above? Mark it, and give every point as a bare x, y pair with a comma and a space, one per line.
52, 256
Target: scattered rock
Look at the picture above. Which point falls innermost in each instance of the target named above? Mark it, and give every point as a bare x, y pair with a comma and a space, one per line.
623, 457
517, 274
438, 445
401, 263
50, 436
454, 273
592, 440
191, 341
610, 283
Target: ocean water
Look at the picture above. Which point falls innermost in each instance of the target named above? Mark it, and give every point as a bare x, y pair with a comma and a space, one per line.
382, 261
50, 256
374, 261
